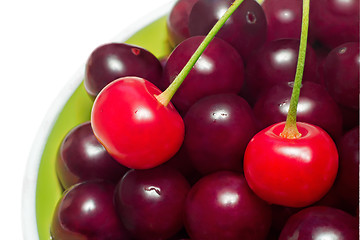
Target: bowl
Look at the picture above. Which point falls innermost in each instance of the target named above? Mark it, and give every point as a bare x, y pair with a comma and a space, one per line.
41, 188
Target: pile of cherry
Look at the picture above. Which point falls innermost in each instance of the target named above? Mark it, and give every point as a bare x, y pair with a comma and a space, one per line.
241, 84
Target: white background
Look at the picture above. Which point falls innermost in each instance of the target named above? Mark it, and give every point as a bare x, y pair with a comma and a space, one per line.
42, 45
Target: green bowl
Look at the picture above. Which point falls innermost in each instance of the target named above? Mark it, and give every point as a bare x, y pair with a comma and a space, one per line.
41, 190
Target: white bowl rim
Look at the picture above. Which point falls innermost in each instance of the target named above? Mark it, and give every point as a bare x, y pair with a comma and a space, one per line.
28, 201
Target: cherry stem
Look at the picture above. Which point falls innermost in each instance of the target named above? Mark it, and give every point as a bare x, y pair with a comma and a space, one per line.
165, 97
290, 130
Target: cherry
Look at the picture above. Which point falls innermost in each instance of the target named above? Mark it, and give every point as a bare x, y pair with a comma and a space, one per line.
347, 183
334, 22
228, 123
222, 206
320, 223
177, 22
87, 211
341, 74
220, 69
114, 60
245, 30
135, 128
283, 18
81, 157
315, 106
151, 202
275, 63
291, 172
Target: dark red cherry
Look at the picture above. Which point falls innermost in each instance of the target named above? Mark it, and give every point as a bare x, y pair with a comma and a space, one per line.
177, 22
341, 74
151, 202
276, 63
114, 60
218, 128
222, 206
245, 30
347, 184
320, 223
315, 106
87, 211
82, 157
220, 69
283, 18
334, 22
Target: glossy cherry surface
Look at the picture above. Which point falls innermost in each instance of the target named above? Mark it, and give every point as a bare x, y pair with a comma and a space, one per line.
222, 206
135, 128
334, 22
220, 69
177, 22
283, 18
315, 106
341, 74
81, 157
245, 30
218, 128
151, 202
86, 211
291, 172
114, 60
276, 63
320, 223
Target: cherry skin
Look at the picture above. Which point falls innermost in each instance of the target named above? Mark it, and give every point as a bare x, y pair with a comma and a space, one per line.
315, 106
177, 22
334, 22
114, 60
86, 211
81, 157
151, 202
283, 18
222, 206
275, 63
135, 128
228, 124
320, 223
347, 182
220, 69
291, 172
245, 30
341, 74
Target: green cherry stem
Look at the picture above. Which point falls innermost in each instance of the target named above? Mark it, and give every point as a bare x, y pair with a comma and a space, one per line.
165, 97
290, 130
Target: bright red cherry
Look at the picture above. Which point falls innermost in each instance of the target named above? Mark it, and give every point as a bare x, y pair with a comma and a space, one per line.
291, 172
135, 128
